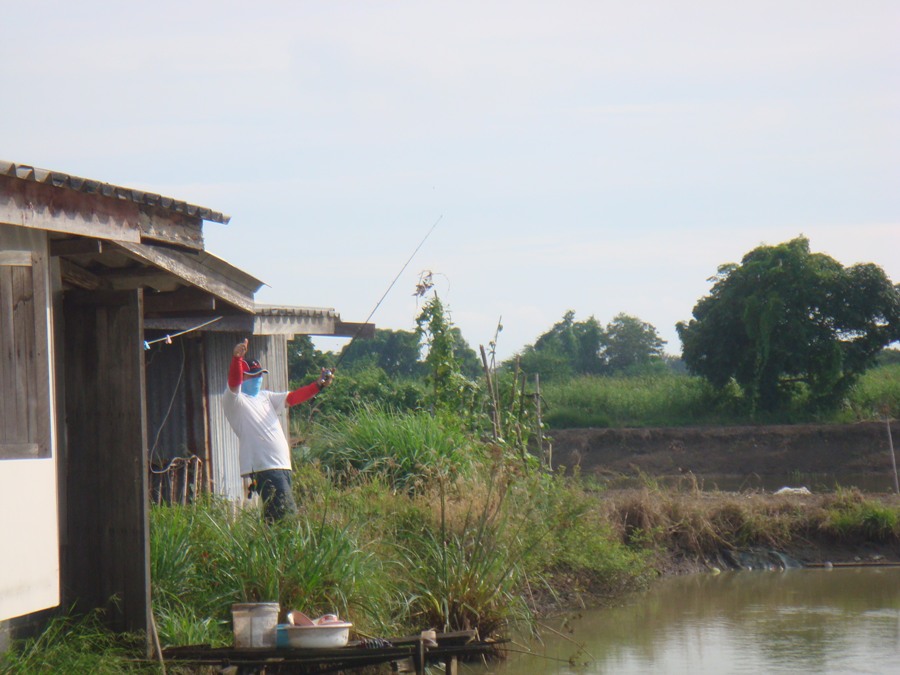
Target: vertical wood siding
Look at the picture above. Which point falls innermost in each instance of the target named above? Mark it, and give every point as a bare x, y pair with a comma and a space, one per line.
106, 558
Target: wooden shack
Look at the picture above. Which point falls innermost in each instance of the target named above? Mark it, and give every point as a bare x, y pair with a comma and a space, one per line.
88, 272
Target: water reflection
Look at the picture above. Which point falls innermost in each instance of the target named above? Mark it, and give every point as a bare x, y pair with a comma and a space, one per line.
843, 620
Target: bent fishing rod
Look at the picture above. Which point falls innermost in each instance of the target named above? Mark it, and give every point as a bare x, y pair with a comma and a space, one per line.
384, 295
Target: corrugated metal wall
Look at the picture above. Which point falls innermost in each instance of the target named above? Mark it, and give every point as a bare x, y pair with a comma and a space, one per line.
176, 420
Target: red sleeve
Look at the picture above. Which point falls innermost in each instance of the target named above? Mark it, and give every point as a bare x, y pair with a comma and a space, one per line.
302, 394
236, 371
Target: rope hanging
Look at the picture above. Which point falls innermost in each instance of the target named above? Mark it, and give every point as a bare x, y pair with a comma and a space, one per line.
168, 338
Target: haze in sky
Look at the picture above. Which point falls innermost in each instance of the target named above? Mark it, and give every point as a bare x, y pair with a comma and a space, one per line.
597, 156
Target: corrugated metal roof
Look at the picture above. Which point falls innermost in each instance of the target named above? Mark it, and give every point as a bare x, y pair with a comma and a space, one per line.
89, 186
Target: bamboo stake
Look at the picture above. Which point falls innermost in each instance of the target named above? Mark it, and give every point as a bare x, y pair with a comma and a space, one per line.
490, 384
887, 421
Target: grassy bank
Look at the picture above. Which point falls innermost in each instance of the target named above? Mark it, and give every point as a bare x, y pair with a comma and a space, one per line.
669, 399
406, 524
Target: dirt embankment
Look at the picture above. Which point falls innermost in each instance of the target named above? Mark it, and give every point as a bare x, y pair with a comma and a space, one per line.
728, 451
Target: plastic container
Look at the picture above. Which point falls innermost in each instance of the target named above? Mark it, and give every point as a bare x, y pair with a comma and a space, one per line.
254, 624
323, 636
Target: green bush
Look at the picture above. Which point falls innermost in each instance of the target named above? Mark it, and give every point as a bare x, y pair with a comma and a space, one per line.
877, 393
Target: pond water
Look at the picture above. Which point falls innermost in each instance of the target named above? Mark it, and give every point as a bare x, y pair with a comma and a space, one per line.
826, 621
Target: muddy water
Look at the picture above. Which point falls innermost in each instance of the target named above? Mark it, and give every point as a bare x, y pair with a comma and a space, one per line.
833, 622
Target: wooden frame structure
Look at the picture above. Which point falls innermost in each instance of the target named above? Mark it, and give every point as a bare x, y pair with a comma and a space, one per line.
85, 266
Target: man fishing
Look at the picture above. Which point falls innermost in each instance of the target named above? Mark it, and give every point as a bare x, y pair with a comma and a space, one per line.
253, 413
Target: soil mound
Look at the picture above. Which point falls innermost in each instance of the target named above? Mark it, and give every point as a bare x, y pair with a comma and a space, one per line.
717, 451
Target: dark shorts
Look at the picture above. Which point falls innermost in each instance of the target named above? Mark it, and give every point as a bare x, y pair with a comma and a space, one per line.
274, 487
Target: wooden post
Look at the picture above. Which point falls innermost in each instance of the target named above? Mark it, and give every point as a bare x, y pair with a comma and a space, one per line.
547, 457
494, 412
420, 664
887, 420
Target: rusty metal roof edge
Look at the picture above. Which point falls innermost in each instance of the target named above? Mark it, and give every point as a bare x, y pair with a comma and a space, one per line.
288, 310
90, 186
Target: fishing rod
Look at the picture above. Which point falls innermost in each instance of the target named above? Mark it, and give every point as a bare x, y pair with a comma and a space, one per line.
378, 304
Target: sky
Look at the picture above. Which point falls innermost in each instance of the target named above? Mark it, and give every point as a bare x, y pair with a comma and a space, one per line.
601, 156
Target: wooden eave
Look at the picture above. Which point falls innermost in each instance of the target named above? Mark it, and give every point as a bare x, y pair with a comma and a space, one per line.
200, 270
175, 282
272, 320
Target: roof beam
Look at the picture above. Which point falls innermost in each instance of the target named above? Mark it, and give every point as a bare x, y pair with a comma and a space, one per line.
183, 300
365, 331
191, 270
77, 276
75, 246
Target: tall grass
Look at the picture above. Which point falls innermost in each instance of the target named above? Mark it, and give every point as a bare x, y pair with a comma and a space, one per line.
405, 449
876, 394
852, 517
466, 576
672, 399
73, 644
665, 399
317, 565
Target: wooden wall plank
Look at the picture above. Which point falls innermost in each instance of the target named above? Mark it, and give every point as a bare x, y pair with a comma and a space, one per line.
42, 373
107, 550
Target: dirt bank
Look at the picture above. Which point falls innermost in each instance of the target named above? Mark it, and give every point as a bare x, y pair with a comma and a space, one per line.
737, 451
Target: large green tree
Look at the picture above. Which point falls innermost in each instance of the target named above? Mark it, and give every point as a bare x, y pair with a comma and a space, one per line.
785, 318
629, 344
396, 352
304, 360
569, 348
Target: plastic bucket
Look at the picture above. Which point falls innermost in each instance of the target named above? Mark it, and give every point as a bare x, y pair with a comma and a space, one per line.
254, 624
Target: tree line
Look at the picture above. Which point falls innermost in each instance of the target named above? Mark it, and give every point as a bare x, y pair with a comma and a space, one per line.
783, 323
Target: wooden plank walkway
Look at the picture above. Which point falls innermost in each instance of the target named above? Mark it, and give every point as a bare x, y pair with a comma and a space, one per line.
409, 653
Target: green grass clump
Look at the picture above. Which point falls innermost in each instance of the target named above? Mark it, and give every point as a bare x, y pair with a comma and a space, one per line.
406, 449
851, 517
73, 644
458, 579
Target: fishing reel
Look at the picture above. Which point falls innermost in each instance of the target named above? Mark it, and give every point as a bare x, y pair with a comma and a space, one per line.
326, 378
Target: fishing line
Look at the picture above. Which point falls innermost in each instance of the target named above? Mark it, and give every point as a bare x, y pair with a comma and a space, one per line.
378, 304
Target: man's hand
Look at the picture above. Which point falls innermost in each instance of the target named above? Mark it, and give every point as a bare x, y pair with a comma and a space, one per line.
240, 349
325, 378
